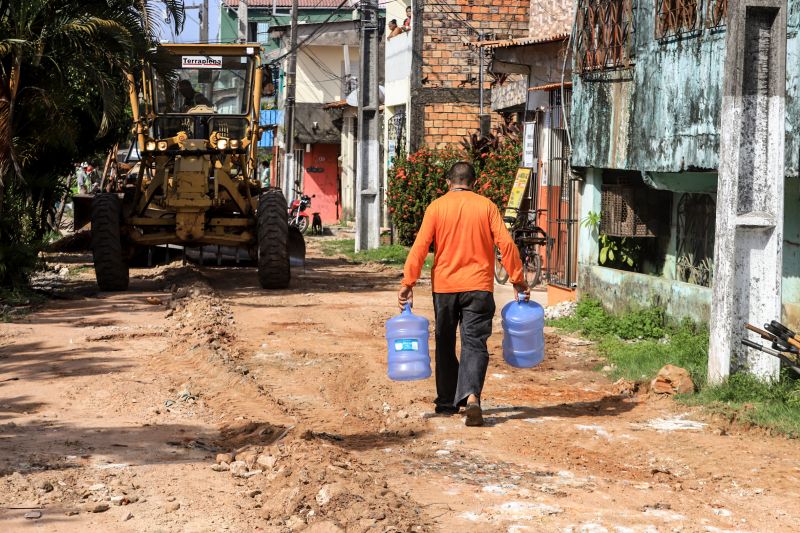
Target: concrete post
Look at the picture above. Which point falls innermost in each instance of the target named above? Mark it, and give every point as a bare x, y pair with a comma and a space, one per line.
590, 202
289, 168
368, 175
749, 225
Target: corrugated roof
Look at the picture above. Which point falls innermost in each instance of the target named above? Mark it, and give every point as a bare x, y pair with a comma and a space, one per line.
550, 86
338, 104
304, 4
524, 41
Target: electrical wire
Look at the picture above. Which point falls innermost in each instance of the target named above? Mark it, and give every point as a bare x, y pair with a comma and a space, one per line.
314, 34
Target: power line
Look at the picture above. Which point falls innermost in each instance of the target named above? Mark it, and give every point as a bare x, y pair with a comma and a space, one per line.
314, 34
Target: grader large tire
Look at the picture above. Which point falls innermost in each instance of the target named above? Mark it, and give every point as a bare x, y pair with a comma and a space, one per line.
273, 240
110, 264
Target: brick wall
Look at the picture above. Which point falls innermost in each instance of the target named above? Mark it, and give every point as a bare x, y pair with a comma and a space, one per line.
550, 17
448, 124
447, 63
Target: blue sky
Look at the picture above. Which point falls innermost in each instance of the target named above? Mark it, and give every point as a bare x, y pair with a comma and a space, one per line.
191, 30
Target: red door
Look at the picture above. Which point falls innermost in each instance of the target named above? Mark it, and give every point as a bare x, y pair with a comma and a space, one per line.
321, 178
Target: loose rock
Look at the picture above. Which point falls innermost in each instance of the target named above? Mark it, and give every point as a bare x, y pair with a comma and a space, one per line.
100, 508
221, 467
238, 468
324, 527
267, 461
224, 458
672, 380
172, 507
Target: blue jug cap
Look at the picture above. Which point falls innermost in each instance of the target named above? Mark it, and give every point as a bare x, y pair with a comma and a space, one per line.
407, 308
522, 297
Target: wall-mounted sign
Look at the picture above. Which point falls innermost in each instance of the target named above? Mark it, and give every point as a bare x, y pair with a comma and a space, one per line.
517, 192
528, 144
201, 61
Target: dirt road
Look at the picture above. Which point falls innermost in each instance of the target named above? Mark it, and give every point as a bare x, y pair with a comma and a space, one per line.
113, 408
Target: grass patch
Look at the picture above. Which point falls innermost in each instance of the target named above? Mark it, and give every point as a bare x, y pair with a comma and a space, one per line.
637, 344
394, 254
77, 271
18, 302
745, 399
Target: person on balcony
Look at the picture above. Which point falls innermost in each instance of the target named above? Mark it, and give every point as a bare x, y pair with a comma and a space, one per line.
394, 29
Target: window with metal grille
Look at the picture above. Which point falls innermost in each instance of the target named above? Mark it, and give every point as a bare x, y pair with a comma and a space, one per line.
604, 35
631, 209
677, 17
716, 13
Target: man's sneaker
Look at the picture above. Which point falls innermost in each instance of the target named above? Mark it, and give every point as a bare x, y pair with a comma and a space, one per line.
474, 415
446, 410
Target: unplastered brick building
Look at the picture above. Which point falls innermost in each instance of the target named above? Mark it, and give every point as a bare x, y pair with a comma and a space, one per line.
444, 84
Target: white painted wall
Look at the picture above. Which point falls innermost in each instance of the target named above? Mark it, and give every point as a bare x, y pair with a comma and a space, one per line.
319, 73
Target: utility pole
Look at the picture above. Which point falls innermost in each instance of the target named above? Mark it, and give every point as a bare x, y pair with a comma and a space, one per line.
204, 22
484, 119
241, 17
289, 171
368, 202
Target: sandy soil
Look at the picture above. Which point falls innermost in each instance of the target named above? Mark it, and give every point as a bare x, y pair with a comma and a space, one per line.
115, 408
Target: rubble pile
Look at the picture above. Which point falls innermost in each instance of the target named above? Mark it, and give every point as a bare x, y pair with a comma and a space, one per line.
560, 310
299, 482
204, 318
309, 483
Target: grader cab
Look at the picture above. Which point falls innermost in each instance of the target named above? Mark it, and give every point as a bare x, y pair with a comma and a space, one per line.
197, 130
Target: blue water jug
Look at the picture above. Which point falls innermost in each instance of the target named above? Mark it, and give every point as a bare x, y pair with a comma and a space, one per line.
523, 333
407, 335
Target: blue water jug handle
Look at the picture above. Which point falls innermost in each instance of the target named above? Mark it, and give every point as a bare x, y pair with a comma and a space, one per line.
407, 308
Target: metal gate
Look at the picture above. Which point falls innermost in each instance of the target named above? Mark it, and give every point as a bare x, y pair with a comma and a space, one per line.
561, 225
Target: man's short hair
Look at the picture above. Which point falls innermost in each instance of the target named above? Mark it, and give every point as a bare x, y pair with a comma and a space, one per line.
462, 172
393, 21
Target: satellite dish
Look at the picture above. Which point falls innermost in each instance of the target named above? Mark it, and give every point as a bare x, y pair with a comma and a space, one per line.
352, 98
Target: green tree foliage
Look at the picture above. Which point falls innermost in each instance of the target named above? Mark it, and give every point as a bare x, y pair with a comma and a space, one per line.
63, 98
415, 181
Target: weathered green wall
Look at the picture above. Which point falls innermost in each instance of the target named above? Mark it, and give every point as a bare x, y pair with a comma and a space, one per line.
792, 90
622, 291
228, 26
663, 114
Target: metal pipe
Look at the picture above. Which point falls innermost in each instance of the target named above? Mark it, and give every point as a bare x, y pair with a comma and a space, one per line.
480, 70
134, 97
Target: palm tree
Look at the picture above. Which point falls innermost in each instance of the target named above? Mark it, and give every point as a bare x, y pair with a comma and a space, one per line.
61, 68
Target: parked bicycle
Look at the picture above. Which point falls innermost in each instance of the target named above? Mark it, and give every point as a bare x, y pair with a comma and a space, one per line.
529, 238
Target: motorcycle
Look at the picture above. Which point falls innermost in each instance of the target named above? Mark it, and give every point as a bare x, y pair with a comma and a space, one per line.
298, 218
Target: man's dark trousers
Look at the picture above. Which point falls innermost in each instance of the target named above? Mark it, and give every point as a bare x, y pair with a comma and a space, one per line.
474, 310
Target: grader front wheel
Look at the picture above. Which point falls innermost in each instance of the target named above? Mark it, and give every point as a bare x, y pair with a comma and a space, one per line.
273, 241
110, 265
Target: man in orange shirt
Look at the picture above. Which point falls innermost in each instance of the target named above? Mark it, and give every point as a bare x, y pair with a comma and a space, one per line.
464, 228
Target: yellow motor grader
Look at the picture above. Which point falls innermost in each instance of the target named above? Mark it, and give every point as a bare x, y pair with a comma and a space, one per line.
196, 130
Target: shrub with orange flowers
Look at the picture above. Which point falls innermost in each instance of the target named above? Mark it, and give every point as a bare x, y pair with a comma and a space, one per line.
418, 179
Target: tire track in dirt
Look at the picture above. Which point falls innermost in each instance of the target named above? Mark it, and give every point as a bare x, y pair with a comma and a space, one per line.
562, 450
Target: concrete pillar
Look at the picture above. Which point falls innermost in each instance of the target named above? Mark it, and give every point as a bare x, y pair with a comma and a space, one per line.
668, 271
749, 225
590, 202
348, 166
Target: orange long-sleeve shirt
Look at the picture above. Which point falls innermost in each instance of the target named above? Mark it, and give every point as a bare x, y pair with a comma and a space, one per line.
464, 228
